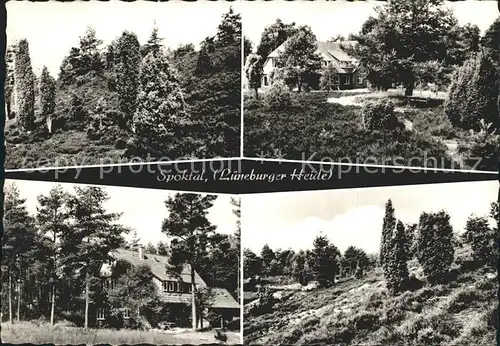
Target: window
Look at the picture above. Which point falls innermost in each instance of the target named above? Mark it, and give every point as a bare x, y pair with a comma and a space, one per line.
264, 80
325, 63
179, 287
337, 79
171, 286
164, 285
347, 79
126, 314
100, 314
110, 283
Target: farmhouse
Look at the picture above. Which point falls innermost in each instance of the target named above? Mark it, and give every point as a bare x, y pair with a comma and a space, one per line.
332, 54
174, 290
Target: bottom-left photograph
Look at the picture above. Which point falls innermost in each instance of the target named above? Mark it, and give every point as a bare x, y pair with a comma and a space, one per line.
84, 264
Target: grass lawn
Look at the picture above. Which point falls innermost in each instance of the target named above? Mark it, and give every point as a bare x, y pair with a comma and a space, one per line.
318, 128
34, 333
360, 311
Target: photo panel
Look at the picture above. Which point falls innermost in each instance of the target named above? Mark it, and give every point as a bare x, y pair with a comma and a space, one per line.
405, 265
92, 83
373, 83
84, 266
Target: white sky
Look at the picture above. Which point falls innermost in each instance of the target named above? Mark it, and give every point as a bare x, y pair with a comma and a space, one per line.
143, 209
353, 216
329, 18
53, 27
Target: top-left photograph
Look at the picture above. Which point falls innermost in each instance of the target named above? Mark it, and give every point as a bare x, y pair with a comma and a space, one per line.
99, 83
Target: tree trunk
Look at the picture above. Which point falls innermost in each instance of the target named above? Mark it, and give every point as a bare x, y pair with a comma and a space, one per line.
19, 295
256, 93
87, 300
193, 301
299, 86
10, 297
53, 303
221, 322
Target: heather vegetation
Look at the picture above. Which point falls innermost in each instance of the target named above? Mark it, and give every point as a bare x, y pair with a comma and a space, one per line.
429, 285
113, 102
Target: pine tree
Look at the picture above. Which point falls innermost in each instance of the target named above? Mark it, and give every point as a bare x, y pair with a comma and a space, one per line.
90, 54
267, 255
19, 242
388, 226
396, 257
47, 96
299, 267
323, 261
154, 44
160, 111
229, 30
135, 241
236, 202
252, 264
53, 219
93, 236
354, 258
190, 229
24, 86
435, 250
127, 60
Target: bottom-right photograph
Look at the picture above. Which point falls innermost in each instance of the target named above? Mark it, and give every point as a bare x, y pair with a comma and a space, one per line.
403, 265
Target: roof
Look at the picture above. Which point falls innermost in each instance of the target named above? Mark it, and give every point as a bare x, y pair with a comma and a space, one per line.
223, 299
157, 264
329, 51
336, 50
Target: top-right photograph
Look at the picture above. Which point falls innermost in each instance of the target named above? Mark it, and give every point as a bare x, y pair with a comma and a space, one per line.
399, 83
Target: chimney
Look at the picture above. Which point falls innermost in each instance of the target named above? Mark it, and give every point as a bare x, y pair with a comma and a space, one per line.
140, 249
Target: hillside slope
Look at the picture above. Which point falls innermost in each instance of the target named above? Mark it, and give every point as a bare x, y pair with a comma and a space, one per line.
462, 311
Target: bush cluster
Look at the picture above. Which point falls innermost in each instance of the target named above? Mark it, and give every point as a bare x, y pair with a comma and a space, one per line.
278, 96
379, 115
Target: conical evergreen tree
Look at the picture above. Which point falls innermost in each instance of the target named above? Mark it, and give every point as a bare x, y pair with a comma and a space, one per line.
396, 258
435, 250
25, 86
47, 95
388, 227
154, 44
160, 108
127, 60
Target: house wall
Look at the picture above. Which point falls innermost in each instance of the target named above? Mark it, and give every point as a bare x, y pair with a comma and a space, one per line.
268, 67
